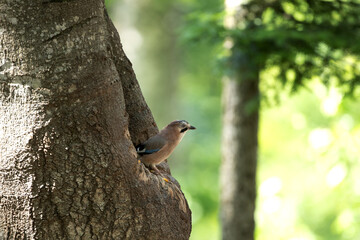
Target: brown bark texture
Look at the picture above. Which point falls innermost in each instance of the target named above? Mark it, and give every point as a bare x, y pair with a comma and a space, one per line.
239, 155
71, 111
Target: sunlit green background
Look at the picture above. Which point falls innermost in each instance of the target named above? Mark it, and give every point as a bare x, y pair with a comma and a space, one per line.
308, 172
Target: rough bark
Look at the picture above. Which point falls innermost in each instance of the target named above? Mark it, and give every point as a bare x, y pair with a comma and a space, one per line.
70, 112
239, 154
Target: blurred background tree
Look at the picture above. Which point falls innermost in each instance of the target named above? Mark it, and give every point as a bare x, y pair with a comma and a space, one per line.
309, 143
275, 34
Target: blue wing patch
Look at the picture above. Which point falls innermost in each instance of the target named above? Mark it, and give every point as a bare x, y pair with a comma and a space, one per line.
151, 151
141, 150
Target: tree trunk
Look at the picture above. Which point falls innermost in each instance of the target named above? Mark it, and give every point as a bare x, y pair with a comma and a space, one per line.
239, 151
70, 112
241, 99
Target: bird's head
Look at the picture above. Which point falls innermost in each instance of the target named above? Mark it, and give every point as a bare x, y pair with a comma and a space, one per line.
181, 126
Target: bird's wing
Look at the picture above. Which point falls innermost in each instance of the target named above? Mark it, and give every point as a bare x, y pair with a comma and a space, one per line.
152, 145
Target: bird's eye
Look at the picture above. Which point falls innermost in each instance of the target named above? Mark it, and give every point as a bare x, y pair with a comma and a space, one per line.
184, 129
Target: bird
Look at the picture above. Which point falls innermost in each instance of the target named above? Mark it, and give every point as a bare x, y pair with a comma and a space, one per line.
159, 147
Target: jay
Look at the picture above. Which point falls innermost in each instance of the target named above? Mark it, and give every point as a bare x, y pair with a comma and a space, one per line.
159, 147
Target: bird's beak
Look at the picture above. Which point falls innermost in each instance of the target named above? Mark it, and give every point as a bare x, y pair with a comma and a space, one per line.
192, 127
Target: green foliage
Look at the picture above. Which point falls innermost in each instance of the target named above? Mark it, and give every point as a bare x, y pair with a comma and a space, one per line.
308, 38
302, 38
203, 26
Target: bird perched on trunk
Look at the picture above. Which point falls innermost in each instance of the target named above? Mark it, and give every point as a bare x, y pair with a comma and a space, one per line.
159, 147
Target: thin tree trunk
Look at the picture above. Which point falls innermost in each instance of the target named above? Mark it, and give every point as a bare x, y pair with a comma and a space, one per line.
70, 112
240, 135
239, 156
